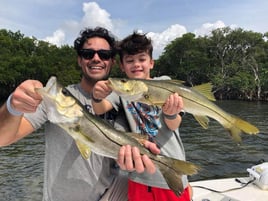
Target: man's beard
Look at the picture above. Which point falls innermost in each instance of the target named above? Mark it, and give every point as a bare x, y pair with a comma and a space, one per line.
92, 80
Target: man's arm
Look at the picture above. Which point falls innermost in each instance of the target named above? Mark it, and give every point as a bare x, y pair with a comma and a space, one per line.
130, 159
12, 124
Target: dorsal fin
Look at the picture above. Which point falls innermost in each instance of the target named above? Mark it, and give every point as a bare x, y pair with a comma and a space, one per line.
205, 90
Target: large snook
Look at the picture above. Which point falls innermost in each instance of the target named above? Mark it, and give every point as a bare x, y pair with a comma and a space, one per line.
91, 133
197, 101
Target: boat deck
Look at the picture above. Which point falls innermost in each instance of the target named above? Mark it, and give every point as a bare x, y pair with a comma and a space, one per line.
251, 192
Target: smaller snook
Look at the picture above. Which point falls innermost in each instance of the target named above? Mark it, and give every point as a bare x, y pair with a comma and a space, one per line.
91, 133
197, 101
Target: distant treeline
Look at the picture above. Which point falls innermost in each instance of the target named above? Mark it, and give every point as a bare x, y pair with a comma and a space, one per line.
234, 61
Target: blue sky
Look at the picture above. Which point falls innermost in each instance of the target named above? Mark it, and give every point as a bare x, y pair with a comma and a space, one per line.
59, 21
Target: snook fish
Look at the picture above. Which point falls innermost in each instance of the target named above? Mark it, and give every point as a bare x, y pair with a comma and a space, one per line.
91, 133
197, 101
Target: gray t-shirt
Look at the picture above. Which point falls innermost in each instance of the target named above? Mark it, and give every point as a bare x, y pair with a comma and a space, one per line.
147, 119
67, 176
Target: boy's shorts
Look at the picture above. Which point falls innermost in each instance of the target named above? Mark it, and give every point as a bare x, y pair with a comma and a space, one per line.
140, 192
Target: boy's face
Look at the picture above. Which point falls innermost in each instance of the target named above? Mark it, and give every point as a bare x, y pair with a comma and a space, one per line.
137, 65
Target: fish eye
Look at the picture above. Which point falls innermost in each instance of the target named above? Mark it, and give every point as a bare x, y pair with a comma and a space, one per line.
123, 80
146, 96
65, 92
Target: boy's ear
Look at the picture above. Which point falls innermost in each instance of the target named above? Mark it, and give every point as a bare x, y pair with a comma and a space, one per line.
121, 66
152, 64
114, 61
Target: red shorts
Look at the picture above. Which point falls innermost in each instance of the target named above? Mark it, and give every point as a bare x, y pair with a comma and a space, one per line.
140, 192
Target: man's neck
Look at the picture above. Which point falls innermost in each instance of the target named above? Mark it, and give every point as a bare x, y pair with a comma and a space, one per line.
86, 85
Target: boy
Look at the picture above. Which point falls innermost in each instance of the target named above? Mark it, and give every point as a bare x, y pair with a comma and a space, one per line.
160, 124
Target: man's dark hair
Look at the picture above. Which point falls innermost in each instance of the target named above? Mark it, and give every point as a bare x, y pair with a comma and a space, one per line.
96, 32
134, 44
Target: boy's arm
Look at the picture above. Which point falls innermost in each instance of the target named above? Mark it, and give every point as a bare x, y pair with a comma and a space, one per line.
100, 91
171, 110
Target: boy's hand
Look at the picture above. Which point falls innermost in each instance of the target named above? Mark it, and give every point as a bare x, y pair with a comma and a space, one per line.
173, 105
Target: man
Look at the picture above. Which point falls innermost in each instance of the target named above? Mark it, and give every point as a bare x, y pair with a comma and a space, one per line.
67, 175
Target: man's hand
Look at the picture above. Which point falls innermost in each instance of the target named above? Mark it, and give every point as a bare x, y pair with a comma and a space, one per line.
130, 159
24, 98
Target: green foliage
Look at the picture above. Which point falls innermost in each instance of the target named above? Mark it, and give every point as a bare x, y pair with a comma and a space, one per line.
24, 58
235, 61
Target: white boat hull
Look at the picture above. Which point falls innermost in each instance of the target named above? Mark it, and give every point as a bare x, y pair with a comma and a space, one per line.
251, 192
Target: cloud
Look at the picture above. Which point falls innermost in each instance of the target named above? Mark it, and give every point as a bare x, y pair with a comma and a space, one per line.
160, 40
206, 28
58, 38
96, 16
93, 16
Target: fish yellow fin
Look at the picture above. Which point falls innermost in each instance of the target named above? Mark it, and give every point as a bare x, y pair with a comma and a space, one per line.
240, 126
179, 82
202, 120
176, 169
235, 134
245, 126
83, 149
205, 90
139, 137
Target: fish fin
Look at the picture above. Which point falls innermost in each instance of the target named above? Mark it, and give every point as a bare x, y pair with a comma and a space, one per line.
83, 149
235, 134
173, 179
139, 137
240, 126
130, 97
205, 90
246, 127
179, 82
172, 170
202, 120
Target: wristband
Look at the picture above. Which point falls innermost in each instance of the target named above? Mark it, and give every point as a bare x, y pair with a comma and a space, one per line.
170, 117
10, 109
95, 99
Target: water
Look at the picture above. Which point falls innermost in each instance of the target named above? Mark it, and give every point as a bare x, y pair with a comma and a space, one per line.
214, 150
21, 169
21, 164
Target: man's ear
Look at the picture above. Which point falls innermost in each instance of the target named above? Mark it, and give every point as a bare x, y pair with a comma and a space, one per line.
79, 59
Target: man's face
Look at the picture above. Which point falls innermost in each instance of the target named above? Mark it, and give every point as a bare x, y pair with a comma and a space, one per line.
95, 65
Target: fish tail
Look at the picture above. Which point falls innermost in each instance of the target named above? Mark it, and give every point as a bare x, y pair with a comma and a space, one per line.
173, 169
240, 126
180, 166
173, 179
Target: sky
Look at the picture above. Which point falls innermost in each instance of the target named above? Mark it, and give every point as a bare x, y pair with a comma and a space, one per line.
60, 21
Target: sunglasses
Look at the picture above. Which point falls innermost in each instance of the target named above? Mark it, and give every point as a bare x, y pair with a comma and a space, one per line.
90, 53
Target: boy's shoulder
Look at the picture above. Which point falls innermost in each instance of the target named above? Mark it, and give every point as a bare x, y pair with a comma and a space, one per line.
163, 77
